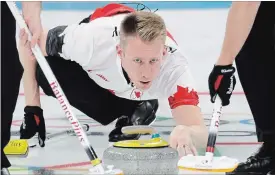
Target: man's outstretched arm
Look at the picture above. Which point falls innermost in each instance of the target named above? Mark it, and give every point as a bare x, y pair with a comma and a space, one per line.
190, 132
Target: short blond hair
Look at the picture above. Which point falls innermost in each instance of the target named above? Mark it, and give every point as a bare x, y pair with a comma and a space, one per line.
148, 26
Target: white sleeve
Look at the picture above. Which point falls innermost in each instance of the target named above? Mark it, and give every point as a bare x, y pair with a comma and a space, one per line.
177, 82
78, 43
183, 91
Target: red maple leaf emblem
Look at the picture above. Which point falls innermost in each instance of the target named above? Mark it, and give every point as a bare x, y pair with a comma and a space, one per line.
183, 97
137, 94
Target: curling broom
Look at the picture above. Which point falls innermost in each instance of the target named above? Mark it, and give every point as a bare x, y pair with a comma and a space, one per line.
96, 163
209, 163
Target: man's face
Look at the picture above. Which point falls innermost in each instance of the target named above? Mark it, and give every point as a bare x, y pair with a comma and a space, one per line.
142, 61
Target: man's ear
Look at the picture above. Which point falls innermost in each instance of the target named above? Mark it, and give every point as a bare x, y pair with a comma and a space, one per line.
165, 50
119, 50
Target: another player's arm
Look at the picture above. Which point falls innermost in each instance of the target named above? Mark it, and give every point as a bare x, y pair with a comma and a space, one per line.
72, 42
31, 9
30, 84
240, 20
31, 13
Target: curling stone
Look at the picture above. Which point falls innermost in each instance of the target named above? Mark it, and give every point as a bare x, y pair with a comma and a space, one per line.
144, 156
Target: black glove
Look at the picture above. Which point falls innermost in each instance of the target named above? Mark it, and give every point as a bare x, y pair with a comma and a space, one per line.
222, 82
33, 122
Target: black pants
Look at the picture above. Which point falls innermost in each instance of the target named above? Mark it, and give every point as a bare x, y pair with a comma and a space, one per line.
83, 93
11, 74
255, 65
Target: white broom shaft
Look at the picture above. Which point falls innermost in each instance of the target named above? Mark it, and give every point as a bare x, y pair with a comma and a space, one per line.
66, 132
214, 127
55, 86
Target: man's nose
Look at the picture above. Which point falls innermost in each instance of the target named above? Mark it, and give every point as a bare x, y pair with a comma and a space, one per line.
146, 70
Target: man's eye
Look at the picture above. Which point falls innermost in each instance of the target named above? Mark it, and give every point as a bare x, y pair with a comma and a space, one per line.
137, 60
154, 60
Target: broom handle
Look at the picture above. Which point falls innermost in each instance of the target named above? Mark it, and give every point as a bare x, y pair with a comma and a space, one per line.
61, 133
213, 129
58, 91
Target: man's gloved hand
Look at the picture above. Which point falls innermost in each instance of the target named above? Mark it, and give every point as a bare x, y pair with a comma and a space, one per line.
33, 122
222, 82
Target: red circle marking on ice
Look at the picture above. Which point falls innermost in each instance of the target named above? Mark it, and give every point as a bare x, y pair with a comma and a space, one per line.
18, 123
